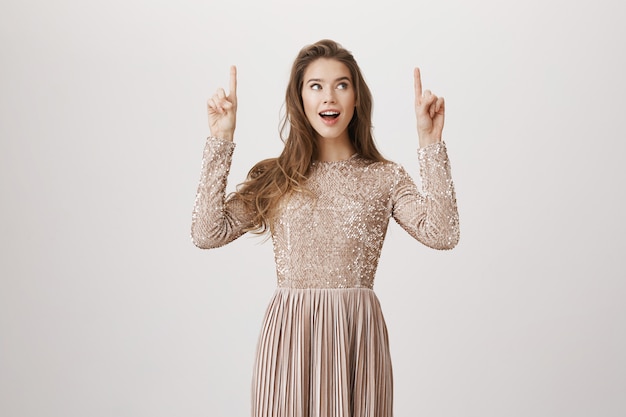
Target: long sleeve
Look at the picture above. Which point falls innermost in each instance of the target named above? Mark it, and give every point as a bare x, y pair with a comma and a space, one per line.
217, 220
430, 216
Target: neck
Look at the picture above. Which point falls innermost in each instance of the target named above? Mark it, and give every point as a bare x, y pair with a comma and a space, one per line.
334, 149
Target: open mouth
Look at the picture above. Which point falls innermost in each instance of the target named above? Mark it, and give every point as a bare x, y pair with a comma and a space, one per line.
330, 114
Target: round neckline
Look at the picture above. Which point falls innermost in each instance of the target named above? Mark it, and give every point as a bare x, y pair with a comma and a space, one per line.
340, 161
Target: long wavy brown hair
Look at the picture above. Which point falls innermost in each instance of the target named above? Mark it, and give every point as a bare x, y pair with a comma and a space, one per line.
269, 180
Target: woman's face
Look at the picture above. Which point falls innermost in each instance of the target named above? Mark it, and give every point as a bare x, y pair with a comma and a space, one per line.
328, 97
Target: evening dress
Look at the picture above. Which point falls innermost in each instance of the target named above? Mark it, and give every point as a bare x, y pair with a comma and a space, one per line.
323, 349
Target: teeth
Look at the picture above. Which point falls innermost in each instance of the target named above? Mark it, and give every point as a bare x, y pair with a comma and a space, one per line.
329, 113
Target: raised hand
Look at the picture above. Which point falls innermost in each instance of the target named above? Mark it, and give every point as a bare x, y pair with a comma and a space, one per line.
429, 111
222, 109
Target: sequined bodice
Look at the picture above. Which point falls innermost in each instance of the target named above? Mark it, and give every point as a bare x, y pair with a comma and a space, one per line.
332, 235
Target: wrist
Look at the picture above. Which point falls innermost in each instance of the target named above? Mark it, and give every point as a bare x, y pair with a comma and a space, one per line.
427, 141
223, 135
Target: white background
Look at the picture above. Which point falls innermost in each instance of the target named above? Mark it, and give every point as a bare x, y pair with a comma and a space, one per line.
107, 309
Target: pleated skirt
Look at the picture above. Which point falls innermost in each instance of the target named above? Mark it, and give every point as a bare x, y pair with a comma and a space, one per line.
323, 353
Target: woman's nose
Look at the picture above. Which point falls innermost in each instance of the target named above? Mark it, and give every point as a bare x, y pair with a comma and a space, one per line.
329, 96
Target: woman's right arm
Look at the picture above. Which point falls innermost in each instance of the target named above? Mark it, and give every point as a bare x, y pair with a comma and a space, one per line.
217, 220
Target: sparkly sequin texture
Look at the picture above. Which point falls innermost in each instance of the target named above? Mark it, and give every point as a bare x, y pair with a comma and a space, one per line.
323, 349
333, 236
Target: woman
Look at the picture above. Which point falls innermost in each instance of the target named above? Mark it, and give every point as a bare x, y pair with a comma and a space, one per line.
326, 201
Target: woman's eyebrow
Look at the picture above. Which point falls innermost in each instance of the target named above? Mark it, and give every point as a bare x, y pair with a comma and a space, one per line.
318, 80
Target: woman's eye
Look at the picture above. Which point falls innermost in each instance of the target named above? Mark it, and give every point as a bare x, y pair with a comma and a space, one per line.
342, 86
316, 87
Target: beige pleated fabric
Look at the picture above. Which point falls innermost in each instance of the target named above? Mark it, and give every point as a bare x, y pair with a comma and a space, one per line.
323, 349
323, 353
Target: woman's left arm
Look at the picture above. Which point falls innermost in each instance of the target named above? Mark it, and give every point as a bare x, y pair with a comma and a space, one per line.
431, 216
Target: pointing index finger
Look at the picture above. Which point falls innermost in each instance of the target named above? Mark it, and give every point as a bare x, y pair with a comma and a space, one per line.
417, 77
233, 81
